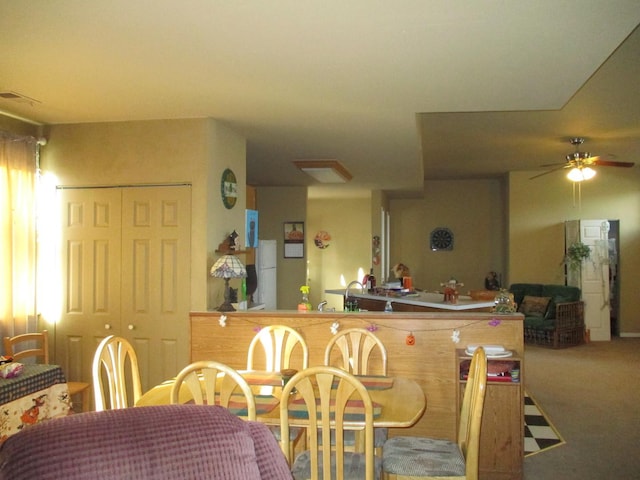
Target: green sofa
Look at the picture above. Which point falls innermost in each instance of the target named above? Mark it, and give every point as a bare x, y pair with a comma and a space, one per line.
554, 314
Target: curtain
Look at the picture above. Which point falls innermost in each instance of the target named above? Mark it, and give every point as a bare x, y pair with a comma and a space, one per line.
17, 233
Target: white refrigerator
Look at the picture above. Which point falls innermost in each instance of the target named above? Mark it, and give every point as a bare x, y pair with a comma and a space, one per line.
266, 260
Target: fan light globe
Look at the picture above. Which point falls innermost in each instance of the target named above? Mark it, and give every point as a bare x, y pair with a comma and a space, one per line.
580, 174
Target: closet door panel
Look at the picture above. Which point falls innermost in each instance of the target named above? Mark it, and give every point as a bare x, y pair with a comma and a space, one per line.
155, 279
90, 258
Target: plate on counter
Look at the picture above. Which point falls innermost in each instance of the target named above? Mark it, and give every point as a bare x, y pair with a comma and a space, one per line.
505, 354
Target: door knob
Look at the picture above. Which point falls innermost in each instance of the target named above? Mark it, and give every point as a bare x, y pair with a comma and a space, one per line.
107, 326
131, 327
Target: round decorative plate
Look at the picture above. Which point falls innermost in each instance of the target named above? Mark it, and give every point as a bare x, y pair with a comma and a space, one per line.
229, 188
441, 239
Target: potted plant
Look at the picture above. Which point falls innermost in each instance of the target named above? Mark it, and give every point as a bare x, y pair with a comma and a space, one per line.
576, 253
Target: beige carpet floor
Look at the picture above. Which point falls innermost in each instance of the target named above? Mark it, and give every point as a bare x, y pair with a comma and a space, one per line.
592, 395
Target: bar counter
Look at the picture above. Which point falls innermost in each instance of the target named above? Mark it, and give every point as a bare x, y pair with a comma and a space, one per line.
422, 346
416, 302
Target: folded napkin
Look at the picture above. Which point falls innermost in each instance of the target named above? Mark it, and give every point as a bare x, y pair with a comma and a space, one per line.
11, 370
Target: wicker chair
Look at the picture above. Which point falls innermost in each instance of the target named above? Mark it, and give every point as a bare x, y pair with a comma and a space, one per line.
561, 324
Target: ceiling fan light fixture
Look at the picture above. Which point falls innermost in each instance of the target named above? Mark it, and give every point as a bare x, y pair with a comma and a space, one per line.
578, 174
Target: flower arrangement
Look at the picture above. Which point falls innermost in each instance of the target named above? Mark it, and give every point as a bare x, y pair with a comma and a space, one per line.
305, 305
576, 253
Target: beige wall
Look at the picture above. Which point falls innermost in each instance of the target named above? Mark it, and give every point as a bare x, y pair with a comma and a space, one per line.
277, 205
18, 127
538, 210
515, 227
348, 221
193, 151
473, 210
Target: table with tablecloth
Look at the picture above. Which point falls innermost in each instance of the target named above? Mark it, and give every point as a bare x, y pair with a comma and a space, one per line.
398, 401
40, 392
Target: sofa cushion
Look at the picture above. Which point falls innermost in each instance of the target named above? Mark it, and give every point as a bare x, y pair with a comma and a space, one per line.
519, 290
539, 323
160, 442
572, 294
534, 306
559, 294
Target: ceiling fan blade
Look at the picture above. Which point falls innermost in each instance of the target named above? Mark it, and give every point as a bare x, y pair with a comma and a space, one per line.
547, 172
558, 165
610, 163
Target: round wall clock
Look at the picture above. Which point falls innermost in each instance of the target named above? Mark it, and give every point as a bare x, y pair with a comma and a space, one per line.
441, 239
229, 188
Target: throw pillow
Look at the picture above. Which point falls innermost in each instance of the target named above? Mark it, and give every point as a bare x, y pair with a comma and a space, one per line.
534, 306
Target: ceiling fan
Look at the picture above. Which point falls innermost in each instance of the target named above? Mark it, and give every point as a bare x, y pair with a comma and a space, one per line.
580, 164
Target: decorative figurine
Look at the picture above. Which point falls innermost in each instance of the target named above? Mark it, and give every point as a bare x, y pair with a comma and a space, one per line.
491, 281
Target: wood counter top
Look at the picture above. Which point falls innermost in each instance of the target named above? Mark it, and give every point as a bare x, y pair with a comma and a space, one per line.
422, 300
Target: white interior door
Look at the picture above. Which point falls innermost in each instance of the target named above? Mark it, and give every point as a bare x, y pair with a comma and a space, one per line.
595, 279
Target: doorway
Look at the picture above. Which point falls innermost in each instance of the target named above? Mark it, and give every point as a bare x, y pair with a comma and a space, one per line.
614, 275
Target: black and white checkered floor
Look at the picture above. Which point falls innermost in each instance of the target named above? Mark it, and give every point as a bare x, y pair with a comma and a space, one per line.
539, 433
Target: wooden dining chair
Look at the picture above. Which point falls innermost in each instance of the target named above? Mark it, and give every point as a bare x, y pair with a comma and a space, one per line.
359, 352
37, 345
278, 343
412, 458
330, 398
115, 374
212, 383
283, 348
356, 347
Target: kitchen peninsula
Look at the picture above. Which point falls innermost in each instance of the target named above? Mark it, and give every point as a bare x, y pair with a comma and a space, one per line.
414, 302
427, 347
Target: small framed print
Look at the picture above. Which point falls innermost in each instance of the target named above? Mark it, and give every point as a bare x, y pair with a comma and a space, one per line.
251, 227
293, 239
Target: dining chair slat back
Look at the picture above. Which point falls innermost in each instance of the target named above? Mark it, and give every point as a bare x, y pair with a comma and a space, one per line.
36, 345
357, 347
212, 383
28, 345
279, 342
115, 374
327, 392
360, 352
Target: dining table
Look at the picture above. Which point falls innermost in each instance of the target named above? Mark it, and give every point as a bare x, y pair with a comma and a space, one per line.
398, 402
39, 393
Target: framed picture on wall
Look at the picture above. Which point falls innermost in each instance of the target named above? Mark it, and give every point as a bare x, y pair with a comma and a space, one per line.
293, 239
251, 227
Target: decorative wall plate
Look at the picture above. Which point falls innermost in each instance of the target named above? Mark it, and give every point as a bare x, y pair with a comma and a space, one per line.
229, 188
441, 239
322, 239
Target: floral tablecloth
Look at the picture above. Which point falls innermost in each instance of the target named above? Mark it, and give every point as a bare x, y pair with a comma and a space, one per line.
39, 393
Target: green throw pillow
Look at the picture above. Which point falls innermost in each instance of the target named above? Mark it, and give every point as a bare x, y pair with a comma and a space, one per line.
534, 306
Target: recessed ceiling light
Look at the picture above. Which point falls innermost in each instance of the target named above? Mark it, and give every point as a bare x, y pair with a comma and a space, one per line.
324, 171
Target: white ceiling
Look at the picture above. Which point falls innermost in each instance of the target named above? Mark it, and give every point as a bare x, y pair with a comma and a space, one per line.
398, 91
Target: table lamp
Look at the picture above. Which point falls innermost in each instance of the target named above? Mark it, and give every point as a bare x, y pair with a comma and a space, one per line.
228, 266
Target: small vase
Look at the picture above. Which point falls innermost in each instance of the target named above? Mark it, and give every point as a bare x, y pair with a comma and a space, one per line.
304, 305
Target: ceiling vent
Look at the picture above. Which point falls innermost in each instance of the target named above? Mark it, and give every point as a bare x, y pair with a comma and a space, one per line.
17, 97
